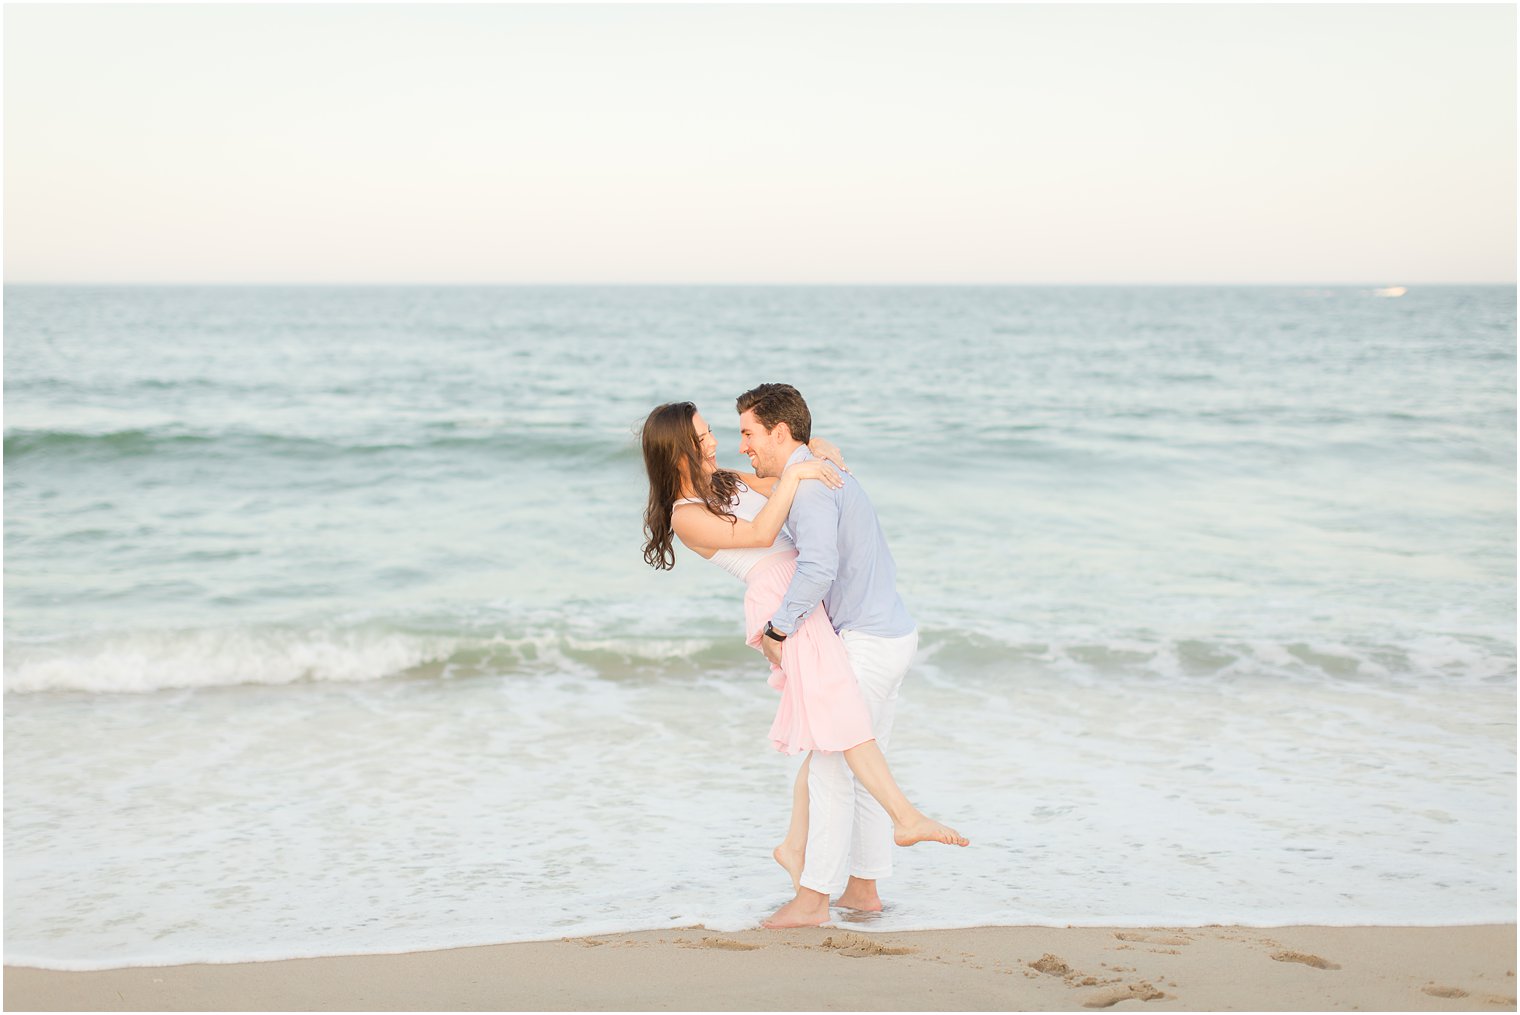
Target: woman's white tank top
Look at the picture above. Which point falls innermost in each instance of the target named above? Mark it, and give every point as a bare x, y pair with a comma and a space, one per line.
746, 505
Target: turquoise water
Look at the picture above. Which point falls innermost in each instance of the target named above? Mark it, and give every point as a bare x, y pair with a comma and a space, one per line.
334, 561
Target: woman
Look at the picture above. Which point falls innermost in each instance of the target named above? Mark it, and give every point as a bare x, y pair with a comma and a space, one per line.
735, 521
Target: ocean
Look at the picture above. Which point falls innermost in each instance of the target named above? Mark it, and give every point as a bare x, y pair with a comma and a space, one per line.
327, 629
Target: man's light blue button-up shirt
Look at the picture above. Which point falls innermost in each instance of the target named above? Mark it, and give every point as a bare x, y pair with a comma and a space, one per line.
842, 561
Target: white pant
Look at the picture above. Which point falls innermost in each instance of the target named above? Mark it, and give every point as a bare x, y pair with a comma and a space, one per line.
837, 805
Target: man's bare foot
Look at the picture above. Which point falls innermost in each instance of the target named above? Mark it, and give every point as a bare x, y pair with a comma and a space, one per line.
791, 862
867, 901
808, 909
925, 829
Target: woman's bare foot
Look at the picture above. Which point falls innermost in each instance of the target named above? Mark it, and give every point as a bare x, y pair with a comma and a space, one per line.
791, 862
923, 829
808, 909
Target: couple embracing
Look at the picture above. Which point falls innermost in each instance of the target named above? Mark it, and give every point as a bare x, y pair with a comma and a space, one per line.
821, 603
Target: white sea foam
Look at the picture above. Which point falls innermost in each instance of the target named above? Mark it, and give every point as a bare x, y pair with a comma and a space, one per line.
361, 647
140, 661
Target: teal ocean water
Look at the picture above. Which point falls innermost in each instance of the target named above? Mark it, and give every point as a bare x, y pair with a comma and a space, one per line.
327, 631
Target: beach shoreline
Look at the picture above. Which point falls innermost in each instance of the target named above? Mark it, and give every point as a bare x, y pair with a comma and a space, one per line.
819, 969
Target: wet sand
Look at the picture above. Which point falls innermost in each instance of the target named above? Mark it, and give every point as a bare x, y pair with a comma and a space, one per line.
823, 969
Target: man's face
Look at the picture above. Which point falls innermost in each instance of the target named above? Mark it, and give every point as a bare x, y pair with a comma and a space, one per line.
765, 450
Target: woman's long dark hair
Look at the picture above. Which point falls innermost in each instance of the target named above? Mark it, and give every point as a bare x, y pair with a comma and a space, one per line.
669, 439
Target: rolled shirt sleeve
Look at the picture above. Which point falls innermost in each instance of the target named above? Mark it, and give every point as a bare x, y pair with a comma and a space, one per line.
814, 524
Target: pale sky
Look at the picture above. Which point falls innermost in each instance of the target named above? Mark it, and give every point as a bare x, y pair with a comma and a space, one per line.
760, 144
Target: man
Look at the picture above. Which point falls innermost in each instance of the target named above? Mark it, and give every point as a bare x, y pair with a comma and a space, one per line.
842, 562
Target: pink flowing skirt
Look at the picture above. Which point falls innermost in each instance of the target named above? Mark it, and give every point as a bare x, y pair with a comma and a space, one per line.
821, 705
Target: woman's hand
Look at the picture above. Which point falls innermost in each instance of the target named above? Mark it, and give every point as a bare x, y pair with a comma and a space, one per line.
828, 451
699, 527
815, 468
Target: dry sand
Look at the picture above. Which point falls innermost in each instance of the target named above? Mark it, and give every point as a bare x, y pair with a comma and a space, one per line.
984, 968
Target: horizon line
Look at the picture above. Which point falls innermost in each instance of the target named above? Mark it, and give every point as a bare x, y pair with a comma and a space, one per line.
1378, 283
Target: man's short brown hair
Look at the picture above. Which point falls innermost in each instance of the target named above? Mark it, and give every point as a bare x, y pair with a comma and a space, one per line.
779, 403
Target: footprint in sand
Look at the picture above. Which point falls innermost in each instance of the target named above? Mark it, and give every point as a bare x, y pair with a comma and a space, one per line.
1054, 965
1308, 960
1435, 990
856, 947
726, 944
1141, 991
1150, 939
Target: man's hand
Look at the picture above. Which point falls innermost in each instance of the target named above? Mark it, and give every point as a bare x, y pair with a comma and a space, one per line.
772, 649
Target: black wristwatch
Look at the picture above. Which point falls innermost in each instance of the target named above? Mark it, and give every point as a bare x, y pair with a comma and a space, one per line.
771, 632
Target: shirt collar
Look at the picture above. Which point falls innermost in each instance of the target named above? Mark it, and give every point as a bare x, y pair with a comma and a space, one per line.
802, 454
